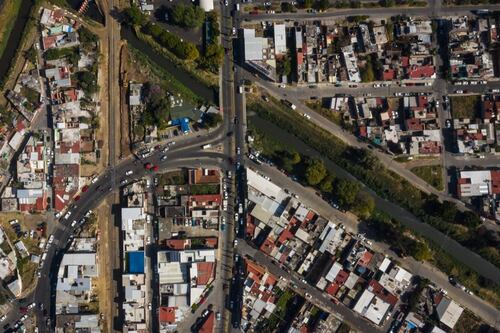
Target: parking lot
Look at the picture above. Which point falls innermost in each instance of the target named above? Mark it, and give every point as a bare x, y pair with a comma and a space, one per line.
162, 7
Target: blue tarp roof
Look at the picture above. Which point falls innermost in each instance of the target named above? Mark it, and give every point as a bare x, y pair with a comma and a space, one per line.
136, 262
183, 123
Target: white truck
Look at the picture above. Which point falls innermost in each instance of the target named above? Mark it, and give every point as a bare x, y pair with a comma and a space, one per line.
207, 146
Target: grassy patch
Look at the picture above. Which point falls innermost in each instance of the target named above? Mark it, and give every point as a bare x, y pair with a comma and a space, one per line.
431, 174
26, 271
468, 322
168, 80
362, 164
31, 95
8, 14
178, 177
333, 116
207, 78
465, 106
201, 189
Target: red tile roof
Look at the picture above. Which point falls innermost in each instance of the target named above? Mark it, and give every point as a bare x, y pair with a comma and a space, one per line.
267, 246
167, 314
341, 277
206, 271
332, 289
421, 71
285, 236
208, 325
365, 259
388, 75
177, 244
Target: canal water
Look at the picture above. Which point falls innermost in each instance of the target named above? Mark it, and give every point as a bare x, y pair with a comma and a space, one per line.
15, 37
208, 94
453, 248
92, 11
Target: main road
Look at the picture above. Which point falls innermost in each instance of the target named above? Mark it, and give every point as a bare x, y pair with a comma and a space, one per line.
186, 153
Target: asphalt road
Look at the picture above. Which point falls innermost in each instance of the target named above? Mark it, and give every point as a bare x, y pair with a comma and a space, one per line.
308, 196
187, 153
319, 298
378, 12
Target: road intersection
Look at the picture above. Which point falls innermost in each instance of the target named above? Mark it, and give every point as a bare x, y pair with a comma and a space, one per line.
188, 153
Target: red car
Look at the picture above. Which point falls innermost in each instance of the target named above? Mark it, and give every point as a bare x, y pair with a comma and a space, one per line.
148, 166
156, 168
77, 198
85, 188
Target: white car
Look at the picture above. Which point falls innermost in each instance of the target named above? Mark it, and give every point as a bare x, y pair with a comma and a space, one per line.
58, 215
163, 158
32, 305
459, 92
87, 214
94, 180
235, 242
150, 307
51, 239
128, 173
23, 318
3, 318
73, 223
148, 240
68, 214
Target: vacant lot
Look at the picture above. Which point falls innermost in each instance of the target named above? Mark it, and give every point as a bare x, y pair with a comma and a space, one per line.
431, 174
465, 106
8, 14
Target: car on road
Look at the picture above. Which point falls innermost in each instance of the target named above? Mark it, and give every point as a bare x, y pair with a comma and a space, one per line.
51, 239
123, 181
95, 179
148, 240
87, 214
150, 307
235, 242
163, 158
32, 305
308, 295
85, 188
495, 91
238, 150
459, 91
73, 223
68, 214
218, 316
58, 215
129, 172
447, 123
3, 318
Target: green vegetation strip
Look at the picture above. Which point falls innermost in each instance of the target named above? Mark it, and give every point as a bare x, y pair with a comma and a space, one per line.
208, 79
173, 85
8, 15
432, 174
366, 167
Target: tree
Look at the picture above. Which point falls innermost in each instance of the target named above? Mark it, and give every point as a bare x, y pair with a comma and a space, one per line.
315, 171
87, 37
364, 205
448, 211
420, 251
87, 81
347, 192
133, 16
322, 5
326, 185
289, 160
308, 3
212, 59
284, 66
190, 51
188, 16
469, 219
212, 119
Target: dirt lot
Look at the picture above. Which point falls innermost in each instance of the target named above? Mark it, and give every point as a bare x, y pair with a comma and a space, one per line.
105, 284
